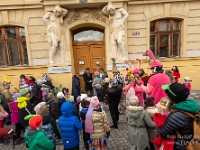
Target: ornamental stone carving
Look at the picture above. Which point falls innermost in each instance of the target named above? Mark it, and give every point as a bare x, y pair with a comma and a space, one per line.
86, 14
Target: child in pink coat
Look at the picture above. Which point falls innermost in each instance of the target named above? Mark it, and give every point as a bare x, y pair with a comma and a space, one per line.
187, 83
15, 119
3, 115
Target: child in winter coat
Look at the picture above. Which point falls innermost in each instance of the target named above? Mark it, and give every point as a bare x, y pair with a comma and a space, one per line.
15, 118
36, 138
25, 107
187, 83
86, 136
53, 106
69, 126
61, 99
97, 125
3, 115
96, 81
49, 125
138, 121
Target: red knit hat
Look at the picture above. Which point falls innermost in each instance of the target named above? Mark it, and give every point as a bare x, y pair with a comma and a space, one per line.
35, 122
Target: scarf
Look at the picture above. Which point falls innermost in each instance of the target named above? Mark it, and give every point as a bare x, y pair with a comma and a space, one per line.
22, 102
88, 120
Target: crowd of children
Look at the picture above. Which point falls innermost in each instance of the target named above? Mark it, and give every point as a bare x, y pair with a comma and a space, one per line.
53, 118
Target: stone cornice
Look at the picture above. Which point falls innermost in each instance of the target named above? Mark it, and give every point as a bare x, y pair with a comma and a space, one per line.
139, 2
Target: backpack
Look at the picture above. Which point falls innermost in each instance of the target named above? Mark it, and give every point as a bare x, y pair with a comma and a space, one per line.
47, 128
194, 144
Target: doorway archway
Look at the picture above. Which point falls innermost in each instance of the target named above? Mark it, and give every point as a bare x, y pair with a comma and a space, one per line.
88, 51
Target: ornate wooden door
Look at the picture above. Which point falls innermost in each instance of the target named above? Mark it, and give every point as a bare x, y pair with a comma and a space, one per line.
88, 55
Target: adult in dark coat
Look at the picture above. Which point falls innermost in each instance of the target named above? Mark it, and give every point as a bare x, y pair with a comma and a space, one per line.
178, 120
36, 93
76, 87
114, 93
87, 76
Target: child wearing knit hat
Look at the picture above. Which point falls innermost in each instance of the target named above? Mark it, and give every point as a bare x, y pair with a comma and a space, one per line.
36, 138
138, 121
97, 125
49, 125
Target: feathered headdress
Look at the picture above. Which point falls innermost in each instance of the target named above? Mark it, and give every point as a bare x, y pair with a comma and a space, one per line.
155, 63
137, 69
6, 81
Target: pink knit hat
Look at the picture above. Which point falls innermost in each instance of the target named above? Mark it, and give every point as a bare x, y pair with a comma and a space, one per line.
94, 101
137, 69
155, 63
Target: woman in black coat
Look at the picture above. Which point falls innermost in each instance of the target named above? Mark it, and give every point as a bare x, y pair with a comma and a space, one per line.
76, 87
87, 76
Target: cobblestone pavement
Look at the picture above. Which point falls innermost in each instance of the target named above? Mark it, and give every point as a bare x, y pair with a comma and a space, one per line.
118, 139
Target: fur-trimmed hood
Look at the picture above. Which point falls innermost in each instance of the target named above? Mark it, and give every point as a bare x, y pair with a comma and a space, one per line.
134, 111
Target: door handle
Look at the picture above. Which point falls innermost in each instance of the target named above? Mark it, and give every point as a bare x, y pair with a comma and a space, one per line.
97, 57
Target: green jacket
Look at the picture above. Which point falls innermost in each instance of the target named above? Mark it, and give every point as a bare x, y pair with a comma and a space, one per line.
4, 103
37, 140
190, 105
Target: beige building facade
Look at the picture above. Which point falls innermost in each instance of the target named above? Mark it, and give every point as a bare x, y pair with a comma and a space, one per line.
171, 29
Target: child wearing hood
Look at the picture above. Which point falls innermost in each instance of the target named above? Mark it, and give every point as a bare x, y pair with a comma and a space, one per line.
49, 125
69, 126
25, 107
97, 125
36, 138
138, 121
53, 106
96, 82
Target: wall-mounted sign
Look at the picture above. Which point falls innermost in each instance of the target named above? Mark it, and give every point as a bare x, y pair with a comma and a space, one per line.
81, 62
121, 67
63, 69
82, 1
81, 72
97, 63
135, 33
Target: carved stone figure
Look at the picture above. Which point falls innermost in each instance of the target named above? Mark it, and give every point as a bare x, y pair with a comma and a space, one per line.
117, 16
55, 32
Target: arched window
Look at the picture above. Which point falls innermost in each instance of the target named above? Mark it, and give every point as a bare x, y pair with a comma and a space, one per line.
13, 49
88, 35
165, 37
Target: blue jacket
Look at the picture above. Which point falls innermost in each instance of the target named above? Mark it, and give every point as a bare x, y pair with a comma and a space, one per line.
69, 126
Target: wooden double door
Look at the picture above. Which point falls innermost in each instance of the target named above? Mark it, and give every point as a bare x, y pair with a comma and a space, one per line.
88, 55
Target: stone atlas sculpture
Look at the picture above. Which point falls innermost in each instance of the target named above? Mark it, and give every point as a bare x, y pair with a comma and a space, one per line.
54, 21
117, 18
